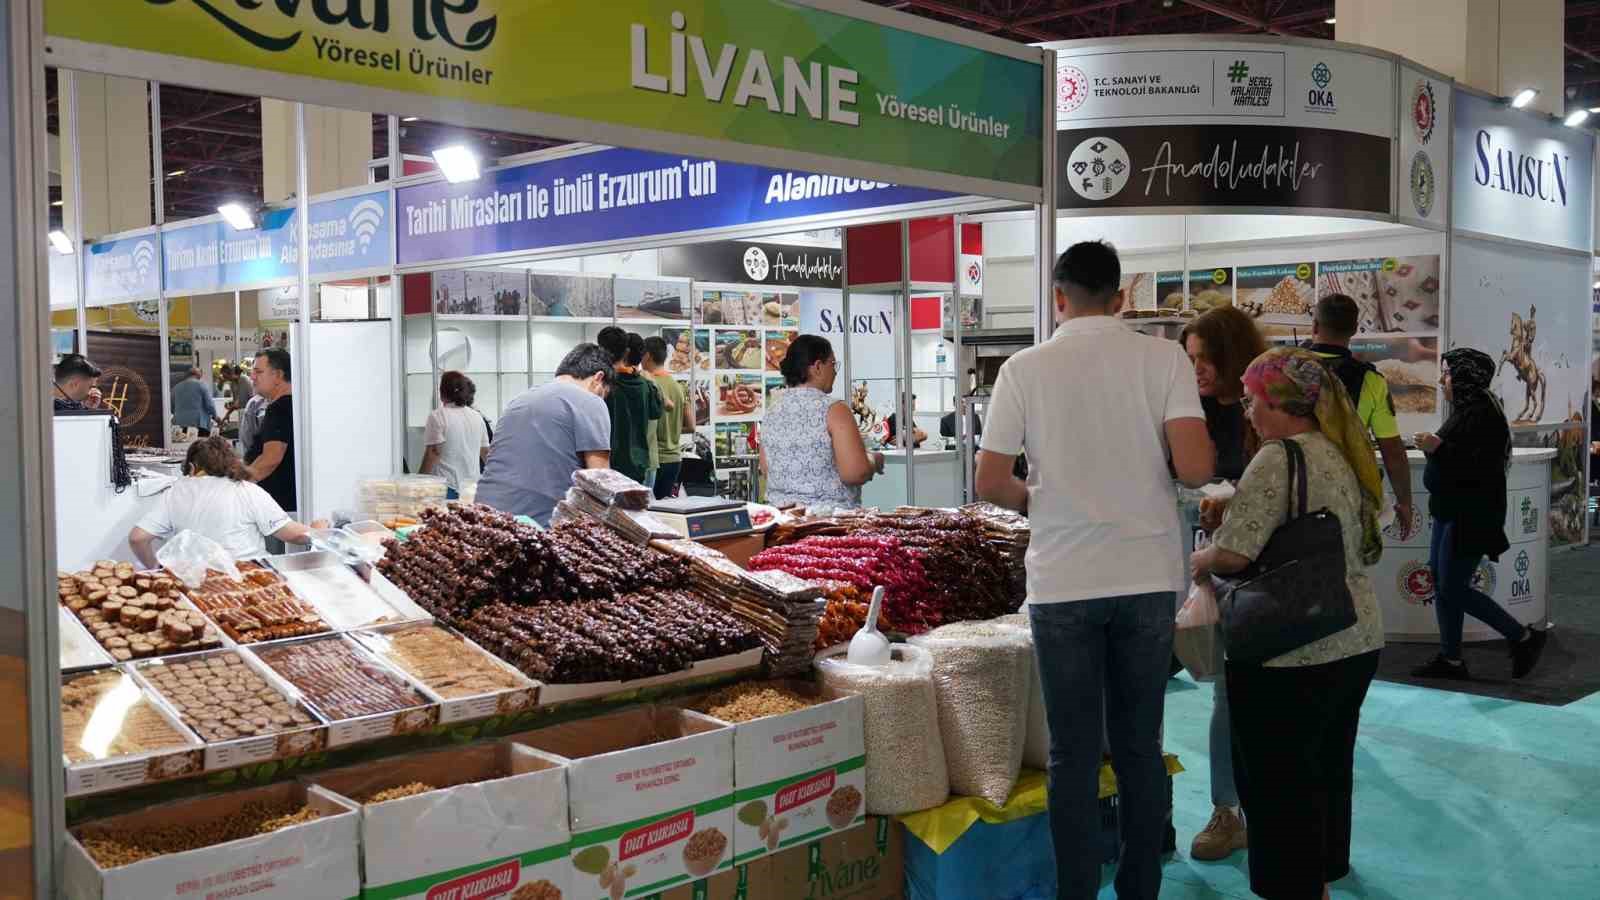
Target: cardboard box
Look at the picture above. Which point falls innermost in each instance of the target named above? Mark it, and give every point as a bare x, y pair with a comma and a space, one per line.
485, 836
317, 859
798, 776
864, 863
645, 785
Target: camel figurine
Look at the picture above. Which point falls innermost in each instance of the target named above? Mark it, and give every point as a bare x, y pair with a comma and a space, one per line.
1520, 355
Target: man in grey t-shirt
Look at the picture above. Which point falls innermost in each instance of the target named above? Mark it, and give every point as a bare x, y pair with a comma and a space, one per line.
547, 433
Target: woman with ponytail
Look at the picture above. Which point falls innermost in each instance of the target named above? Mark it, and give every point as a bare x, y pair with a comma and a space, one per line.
216, 498
811, 450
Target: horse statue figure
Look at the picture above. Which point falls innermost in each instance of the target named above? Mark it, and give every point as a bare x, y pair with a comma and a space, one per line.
1520, 356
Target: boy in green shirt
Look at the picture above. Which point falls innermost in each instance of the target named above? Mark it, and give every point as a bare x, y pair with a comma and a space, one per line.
677, 418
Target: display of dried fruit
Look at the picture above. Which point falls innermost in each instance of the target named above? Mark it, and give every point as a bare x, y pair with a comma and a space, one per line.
259, 608
136, 725
221, 698
846, 613
339, 681
132, 614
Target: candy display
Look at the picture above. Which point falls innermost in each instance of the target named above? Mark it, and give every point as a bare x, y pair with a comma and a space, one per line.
936, 566
612, 488
138, 727
448, 665
633, 636
125, 847
846, 613
783, 609
344, 600
338, 680
221, 698
259, 608
134, 615
78, 650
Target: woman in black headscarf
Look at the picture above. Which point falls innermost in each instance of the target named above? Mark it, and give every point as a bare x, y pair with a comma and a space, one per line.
1466, 482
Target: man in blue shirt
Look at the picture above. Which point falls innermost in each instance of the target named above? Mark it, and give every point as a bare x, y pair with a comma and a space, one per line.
547, 433
193, 405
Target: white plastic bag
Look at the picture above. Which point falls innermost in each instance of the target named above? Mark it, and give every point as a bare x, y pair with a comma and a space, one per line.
905, 766
1036, 749
979, 671
1200, 610
190, 554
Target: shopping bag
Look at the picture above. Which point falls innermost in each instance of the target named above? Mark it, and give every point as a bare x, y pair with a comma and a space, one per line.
1200, 610
1200, 651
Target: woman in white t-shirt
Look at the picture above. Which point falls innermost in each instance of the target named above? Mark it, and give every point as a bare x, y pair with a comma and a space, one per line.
217, 500
456, 436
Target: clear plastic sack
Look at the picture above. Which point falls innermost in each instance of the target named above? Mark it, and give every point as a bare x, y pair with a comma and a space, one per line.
189, 555
1036, 749
1200, 651
1200, 610
979, 671
905, 766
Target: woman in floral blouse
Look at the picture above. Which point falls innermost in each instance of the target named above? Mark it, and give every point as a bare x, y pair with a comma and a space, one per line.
1295, 716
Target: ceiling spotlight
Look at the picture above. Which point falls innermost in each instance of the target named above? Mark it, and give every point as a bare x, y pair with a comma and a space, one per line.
457, 162
1576, 117
176, 172
1524, 97
409, 118
1330, 21
57, 203
1597, 285
61, 243
238, 217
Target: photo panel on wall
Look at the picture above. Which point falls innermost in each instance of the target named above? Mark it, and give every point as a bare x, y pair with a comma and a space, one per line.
1278, 296
1393, 293
735, 441
739, 396
739, 349
681, 355
651, 300
778, 347
1138, 292
569, 295
449, 292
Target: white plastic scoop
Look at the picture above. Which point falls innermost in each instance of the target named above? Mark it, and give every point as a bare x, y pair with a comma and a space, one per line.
869, 647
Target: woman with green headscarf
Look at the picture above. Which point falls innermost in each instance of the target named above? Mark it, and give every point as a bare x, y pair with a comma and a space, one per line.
1466, 481
1295, 716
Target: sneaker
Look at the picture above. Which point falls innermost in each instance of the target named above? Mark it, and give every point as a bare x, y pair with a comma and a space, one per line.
1525, 653
1223, 835
1438, 667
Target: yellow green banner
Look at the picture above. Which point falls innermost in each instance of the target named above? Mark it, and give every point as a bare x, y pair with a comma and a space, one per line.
770, 73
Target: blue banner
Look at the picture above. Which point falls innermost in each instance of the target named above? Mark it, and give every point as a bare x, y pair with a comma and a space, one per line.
615, 194
121, 269
348, 234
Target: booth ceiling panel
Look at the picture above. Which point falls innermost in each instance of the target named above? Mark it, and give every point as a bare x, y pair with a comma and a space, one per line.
1032, 21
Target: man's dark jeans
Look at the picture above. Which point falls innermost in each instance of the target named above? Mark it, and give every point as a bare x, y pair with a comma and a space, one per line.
1106, 659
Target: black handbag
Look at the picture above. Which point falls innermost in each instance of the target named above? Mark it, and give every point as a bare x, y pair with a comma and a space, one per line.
1295, 592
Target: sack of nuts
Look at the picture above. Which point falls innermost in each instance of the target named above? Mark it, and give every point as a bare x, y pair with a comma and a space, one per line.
979, 671
905, 754
1036, 749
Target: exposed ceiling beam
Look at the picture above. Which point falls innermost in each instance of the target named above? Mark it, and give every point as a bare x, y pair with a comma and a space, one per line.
1217, 9
991, 22
1579, 51
1054, 14
219, 111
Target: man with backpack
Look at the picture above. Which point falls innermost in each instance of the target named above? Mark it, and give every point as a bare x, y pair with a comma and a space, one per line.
1336, 321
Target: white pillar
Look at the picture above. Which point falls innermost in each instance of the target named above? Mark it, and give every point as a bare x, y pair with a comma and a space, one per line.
1498, 46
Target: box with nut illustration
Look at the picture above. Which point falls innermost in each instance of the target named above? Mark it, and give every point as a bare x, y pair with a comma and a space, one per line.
798, 776
650, 798
285, 841
488, 820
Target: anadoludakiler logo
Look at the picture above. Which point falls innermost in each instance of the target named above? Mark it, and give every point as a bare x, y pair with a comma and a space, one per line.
1424, 110
1423, 185
1485, 580
1392, 530
1098, 169
1072, 88
1416, 583
756, 264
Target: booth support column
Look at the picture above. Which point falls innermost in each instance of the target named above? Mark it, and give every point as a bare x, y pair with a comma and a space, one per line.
1045, 213
1497, 46
30, 745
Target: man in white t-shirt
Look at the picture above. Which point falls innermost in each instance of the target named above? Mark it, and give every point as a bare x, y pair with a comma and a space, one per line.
1107, 417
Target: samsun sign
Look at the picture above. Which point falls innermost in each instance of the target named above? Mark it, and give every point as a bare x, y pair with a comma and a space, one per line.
1517, 175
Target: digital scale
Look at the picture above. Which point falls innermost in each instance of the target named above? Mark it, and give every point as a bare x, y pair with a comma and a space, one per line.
703, 518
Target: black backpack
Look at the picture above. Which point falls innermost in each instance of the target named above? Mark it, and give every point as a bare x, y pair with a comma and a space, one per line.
1350, 371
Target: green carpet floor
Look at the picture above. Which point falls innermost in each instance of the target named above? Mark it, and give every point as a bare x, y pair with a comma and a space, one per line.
1457, 796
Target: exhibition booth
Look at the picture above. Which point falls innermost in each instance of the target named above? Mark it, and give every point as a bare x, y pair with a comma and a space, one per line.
1266, 173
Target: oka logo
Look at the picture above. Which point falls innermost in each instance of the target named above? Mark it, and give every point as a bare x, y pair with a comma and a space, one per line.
1319, 97
756, 264
365, 219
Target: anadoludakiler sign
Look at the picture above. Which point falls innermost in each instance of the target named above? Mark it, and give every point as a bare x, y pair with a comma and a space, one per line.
749, 262
764, 72
1223, 165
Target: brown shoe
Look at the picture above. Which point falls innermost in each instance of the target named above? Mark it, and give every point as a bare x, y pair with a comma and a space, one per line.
1224, 834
